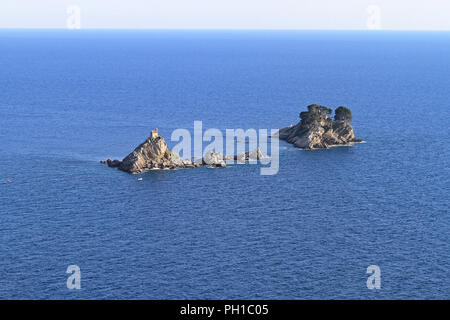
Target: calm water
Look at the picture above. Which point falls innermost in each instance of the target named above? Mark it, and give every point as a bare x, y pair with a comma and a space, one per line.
70, 99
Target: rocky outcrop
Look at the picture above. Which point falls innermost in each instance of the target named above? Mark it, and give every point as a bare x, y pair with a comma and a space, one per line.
150, 155
153, 154
316, 130
112, 163
244, 157
215, 159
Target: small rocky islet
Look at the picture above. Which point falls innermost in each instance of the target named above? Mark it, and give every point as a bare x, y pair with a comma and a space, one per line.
317, 130
153, 154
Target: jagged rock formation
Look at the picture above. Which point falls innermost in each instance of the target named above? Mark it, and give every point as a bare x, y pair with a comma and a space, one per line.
212, 158
316, 130
243, 157
153, 154
219, 160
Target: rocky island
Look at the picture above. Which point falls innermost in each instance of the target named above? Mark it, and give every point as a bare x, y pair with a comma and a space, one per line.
153, 154
316, 130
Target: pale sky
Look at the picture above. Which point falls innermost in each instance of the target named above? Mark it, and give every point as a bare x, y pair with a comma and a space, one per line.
227, 14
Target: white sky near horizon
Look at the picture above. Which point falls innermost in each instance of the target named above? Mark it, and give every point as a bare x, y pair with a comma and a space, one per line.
229, 14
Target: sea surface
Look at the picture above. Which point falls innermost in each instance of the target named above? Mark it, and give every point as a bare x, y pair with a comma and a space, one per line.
69, 99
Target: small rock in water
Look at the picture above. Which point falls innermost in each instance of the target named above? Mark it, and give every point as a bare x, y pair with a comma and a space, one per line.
113, 163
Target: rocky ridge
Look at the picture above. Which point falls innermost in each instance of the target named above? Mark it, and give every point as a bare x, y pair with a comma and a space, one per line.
316, 130
153, 154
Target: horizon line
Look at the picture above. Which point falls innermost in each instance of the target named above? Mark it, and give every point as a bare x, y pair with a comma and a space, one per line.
219, 29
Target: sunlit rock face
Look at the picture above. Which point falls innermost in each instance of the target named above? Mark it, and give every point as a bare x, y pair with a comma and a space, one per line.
316, 130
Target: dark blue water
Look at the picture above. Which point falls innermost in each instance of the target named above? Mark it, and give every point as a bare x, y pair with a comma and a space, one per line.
70, 99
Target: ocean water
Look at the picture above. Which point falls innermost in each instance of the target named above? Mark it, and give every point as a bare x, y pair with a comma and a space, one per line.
69, 99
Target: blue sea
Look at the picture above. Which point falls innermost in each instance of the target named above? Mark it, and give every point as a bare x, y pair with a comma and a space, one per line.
69, 99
